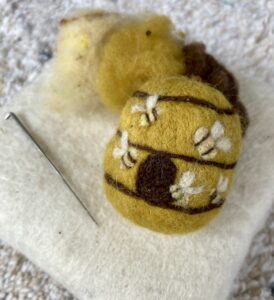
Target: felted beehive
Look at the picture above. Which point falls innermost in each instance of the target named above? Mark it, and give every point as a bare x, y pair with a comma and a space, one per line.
171, 163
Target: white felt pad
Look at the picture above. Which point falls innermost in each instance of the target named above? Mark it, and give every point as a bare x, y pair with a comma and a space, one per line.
118, 260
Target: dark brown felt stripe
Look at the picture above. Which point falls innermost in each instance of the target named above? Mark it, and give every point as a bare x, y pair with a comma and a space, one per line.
189, 99
187, 210
208, 151
131, 159
124, 162
154, 112
180, 156
147, 117
203, 139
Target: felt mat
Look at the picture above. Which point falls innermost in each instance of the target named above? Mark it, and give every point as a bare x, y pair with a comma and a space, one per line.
118, 260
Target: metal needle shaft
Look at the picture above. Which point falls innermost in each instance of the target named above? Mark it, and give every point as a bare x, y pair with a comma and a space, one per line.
19, 122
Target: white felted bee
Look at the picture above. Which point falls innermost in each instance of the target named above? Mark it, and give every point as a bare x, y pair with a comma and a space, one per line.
209, 141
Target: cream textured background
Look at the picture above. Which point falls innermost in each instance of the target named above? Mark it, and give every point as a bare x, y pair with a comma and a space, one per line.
238, 32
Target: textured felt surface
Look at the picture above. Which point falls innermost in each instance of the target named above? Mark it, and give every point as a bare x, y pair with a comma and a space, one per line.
135, 53
118, 260
184, 106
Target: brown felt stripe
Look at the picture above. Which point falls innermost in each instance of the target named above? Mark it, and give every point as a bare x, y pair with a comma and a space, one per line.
213, 196
131, 159
189, 99
154, 112
147, 117
203, 139
180, 156
187, 210
124, 162
208, 151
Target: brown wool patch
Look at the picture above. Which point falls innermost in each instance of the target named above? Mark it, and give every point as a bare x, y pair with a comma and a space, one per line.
155, 176
199, 63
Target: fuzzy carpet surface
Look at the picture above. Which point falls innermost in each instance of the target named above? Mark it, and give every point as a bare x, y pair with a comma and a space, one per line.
239, 33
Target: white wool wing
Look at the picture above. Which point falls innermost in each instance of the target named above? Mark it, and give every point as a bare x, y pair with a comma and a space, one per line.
187, 179
224, 144
217, 130
151, 101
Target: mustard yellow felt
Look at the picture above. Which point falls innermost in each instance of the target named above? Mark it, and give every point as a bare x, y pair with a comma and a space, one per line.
172, 133
135, 53
206, 176
178, 122
156, 218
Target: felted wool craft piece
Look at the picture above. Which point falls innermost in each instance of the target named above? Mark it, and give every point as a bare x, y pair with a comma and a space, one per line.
171, 163
135, 53
118, 260
110, 54
130, 52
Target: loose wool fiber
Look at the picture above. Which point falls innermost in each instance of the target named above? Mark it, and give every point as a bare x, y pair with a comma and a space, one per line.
71, 88
171, 134
109, 54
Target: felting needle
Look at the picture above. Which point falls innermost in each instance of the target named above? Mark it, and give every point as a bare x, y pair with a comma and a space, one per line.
22, 126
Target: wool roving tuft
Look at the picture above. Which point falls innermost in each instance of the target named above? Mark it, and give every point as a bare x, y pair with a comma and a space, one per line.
110, 55
170, 165
70, 88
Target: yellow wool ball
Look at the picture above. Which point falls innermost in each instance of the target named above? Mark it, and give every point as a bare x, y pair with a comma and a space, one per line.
108, 54
142, 49
171, 163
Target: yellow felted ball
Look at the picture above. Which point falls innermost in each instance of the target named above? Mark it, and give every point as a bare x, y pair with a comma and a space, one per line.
134, 53
109, 55
170, 165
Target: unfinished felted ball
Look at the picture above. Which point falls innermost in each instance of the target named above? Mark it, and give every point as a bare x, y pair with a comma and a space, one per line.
143, 48
109, 55
171, 163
